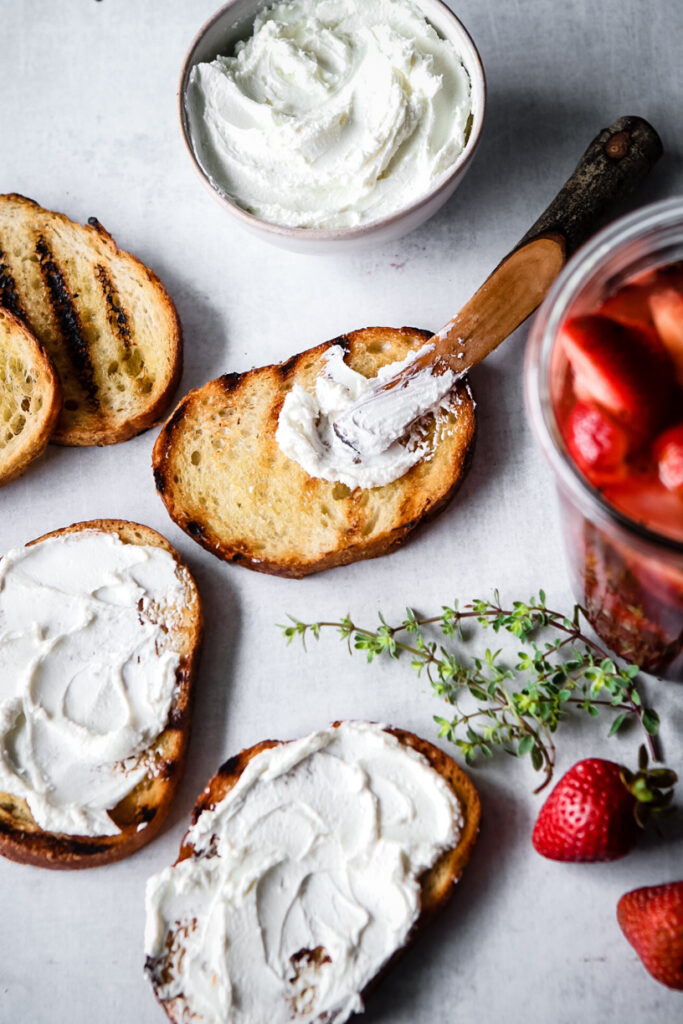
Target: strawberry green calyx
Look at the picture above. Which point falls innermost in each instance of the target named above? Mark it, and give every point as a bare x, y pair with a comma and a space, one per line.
651, 788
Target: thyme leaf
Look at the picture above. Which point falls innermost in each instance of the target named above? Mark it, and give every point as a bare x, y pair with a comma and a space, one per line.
518, 707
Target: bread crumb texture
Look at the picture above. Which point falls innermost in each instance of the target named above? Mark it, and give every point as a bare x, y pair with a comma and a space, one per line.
104, 318
29, 397
226, 482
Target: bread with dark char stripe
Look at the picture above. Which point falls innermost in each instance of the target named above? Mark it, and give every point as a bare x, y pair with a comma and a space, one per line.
105, 319
142, 812
30, 397
224, 480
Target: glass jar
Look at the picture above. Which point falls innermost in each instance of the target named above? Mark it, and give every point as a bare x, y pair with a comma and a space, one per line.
627, 576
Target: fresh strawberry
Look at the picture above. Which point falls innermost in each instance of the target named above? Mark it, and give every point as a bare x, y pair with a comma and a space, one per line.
667, 313
652, 920
624, 369
668, 450
595, 810
597, 443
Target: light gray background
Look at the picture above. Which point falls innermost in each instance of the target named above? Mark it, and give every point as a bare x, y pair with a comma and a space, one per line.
88, 126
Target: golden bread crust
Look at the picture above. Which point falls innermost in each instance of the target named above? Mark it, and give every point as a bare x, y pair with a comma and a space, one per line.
105, 319
224, 480
30, 397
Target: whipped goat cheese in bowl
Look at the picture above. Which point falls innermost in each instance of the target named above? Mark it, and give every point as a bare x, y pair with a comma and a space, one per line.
329, 124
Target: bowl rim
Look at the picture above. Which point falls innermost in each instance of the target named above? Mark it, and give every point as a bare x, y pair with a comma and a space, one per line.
475, 71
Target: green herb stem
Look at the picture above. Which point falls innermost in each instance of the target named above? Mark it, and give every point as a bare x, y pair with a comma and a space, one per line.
570, 669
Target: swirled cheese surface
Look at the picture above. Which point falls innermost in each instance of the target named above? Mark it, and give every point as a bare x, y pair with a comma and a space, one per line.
304, 880
334, 113
86, 674
306, 425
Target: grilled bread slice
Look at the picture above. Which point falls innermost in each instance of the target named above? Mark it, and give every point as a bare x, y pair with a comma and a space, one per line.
225, 481
104, 318
30, 397
436, 883
140, 814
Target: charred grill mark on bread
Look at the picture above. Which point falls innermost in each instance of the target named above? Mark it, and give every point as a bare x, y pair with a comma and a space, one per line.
224, 779
120, 325
195, 529
101, 231
343, 342
230, 766
288, 368
175, 420
9, 297
178, 715
229, 381
50, 845
116, 315
67, 320
166, 438
147, 814
104, 318
159, 480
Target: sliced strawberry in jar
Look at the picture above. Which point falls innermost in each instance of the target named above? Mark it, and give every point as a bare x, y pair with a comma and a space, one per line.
668, 450
598, 444
630, 306
645, 500
667, 313
624, 369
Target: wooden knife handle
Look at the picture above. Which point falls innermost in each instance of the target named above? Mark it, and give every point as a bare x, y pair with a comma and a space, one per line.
613, 165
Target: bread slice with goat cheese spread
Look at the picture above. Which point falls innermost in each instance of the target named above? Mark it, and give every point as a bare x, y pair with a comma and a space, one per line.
104, 318
30, 397
309, 866
225, 481
100, 630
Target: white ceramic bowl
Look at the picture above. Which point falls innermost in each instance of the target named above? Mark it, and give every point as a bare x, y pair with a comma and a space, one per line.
234, 22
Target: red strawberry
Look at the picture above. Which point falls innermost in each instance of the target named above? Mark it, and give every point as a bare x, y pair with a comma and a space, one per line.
624, 369
652, 920
645, 500
630, 305
667, 313
588, 816
597, 443
668, 450
594, 811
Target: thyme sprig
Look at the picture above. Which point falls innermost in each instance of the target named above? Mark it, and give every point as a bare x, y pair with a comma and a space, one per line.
560, 668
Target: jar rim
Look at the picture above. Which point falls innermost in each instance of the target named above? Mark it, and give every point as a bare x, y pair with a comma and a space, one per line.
663, 217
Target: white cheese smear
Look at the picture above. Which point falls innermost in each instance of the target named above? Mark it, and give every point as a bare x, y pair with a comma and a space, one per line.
334, 113
86, 679
305, 431
303, 881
